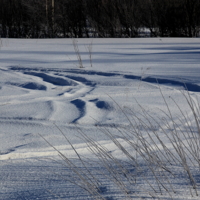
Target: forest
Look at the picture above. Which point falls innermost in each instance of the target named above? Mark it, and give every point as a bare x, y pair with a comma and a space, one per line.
99, 18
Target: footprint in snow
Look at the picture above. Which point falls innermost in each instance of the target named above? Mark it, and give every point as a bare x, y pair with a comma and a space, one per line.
101, 104
80, 105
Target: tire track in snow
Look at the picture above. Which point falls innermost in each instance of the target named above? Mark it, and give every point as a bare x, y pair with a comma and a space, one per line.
77, 87
58, 81
163, 81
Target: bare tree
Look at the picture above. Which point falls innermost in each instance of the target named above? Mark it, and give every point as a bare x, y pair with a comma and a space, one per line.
98, 18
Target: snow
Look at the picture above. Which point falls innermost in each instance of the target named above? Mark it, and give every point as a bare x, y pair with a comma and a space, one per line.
43, 93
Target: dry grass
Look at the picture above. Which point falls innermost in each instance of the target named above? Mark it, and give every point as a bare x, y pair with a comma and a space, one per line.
77, 52
89, 48
158, 158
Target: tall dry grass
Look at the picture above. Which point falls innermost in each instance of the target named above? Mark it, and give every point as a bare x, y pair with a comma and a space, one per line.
160, 154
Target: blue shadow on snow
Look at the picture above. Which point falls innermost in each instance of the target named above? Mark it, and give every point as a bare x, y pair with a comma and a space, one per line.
80, 105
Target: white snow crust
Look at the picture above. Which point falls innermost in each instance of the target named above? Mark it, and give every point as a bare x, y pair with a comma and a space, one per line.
42, 88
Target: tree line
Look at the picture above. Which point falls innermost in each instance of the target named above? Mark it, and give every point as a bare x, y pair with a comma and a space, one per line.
99, 18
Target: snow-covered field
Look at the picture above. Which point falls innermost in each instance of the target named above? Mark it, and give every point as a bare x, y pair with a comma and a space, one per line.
42, 90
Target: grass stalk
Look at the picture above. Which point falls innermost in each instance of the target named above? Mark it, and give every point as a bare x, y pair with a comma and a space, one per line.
77, 51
